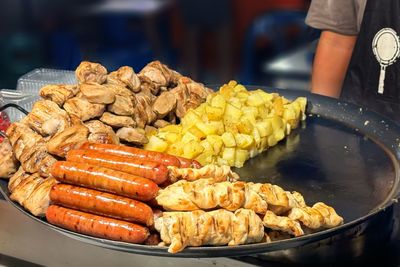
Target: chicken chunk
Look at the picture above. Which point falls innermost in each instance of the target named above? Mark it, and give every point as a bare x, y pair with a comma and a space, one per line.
132, 135
83, 109
125, 76
101, 133
58, 93
91, 72
71, 138
8, 163
97, 93
117, 121
38, 201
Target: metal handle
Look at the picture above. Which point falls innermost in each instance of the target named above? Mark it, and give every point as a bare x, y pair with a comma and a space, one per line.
382, 79
12, 105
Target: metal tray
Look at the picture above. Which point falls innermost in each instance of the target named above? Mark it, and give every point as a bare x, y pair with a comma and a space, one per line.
343, 155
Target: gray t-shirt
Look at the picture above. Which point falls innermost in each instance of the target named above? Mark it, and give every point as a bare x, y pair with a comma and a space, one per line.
340, 16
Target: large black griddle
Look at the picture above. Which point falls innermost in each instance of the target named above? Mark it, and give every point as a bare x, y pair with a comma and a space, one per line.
343, 155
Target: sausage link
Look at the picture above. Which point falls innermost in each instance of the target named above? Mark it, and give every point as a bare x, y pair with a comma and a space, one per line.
188, 163
133, 152
104, 179
94, 225
101, 203
154, 171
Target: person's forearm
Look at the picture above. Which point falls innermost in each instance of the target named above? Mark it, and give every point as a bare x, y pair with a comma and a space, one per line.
330, 64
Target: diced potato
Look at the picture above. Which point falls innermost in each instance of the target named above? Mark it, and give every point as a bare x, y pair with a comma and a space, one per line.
192, 150
218, 101
172, 137
265, 96
245, 126
239, 88
218, 126
272, 140
278, 106
279, 135
205, 158
228, 154
214, 113
232, 113
175, 149
264, 128
205, 128
236, 102
254, 100
156, 144
242, 95
171, 129
250, 111
196, 132
240, 157
244, 141
188, 137
228, 139
216, 143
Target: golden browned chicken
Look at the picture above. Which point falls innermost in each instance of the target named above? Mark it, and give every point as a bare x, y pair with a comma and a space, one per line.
125, 76
71, 138
38, 201
47, 118
17, 177
160, 76
97, 93
318, 216
282, 223
218, 227
101, 133
91, 72
80, 107
135, 136
117, 120
8, 163
59, 93
217, 173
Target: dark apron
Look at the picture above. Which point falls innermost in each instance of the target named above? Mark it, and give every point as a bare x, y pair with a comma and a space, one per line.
381, 22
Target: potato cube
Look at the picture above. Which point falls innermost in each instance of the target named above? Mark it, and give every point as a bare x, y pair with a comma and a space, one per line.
232, 113
171, 128
188, 137
264, 128
240, 157
156, 144
228, 139
192, 150
244, 141
216, 143
228, 154
218, 101
254, 100
214, 113
218, 126
205, 128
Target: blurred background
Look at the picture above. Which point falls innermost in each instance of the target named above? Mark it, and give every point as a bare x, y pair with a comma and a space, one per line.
262, 42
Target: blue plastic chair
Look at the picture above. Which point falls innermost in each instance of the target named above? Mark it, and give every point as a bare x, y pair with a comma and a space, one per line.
272, 25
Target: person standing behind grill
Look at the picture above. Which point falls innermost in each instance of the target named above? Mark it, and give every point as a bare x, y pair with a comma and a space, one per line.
356, 57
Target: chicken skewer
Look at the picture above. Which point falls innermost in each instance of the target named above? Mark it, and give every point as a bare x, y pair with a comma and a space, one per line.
206, 194
218, 227
217, 173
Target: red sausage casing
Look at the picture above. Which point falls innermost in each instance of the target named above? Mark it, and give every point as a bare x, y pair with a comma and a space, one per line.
154, 171
104, 179
94, 225
101, 203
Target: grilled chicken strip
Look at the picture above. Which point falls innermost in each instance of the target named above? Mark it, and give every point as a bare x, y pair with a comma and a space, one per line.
38, 201
8, 163
217, 173
58, 93
101, 133
318, 216
125, 76
218, 227
207, 194
91, 72
132, 135
282, 223
17, 177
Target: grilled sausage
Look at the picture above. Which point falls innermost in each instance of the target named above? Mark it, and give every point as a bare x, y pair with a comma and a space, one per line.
104, 179
154, 171
101, 203
166, 159
94, 225
188, 163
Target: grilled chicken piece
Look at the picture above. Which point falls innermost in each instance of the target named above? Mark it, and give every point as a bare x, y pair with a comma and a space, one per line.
91, 72
160, 123
8, 163
101, 133
83, 109
125, 76
71, 138
318, 216
132, 135
208, 194
37, 159
21, 137
218, 227
145, 114
217, 173
164, 104
189, 94
58, 93
47, 118
160, 75
205, 194
117, 121
124, 106
17, 177
97, 93
38, 201
282, 223
25, 188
